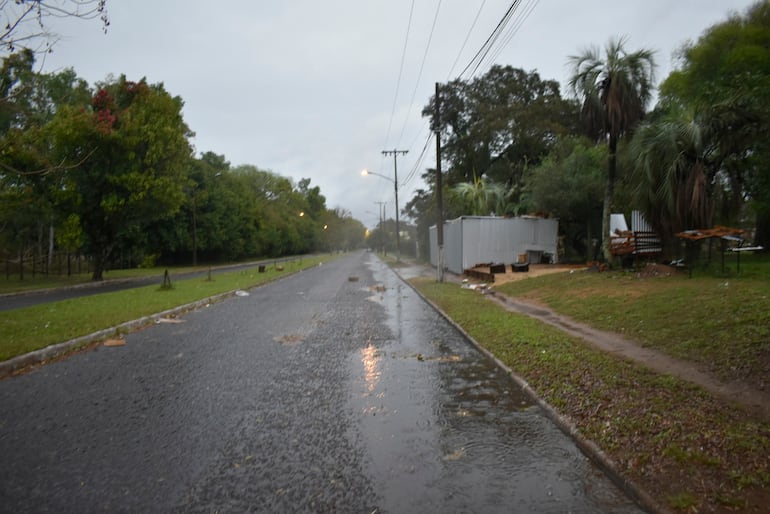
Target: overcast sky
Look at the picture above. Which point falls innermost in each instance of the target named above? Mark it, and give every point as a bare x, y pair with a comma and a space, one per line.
309, 88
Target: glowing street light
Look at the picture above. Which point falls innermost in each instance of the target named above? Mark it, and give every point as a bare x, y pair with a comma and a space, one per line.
395, 185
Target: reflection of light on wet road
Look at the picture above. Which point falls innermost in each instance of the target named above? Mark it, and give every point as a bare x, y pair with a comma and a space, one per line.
370, 357
445, 430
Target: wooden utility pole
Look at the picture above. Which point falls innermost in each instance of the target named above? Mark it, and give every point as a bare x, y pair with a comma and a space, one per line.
395, 153
381, 212
439, 187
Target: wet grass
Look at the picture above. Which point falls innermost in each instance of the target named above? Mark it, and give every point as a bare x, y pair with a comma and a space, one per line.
33, 328
722, 323
685, 447
14, 284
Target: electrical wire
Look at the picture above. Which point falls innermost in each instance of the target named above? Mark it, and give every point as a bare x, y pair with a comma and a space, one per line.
507, 27
420, 159
400, 74
420, 135
465, 42
419, 74
515, 28
482, 53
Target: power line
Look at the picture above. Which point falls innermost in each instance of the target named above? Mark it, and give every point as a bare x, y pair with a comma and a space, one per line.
515, 28
465, 42
420, 159
400, 73
491, 39
419, 74
501, 35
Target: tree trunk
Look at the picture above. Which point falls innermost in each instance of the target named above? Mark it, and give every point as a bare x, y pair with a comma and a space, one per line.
590, 247
98, 273
762, 232
100, 260
50, 247
609, 194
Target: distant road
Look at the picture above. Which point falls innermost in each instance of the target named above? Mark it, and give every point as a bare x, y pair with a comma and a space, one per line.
31, 298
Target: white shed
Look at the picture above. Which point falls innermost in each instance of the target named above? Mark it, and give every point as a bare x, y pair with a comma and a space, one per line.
472, 240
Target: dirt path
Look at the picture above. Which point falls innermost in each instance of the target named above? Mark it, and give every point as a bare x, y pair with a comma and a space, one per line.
732, 392
611, 342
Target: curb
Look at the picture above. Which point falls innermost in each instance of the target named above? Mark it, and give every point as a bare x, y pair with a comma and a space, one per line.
586, 446
20, 362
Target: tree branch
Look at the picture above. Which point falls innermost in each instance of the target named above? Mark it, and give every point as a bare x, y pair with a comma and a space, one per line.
45, 171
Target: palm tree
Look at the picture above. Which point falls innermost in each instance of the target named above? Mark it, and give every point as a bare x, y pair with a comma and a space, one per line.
680, 160
481, 196
673, 159
614, 91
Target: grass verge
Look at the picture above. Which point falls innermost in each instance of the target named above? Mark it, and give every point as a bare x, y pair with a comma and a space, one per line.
33, 328
13, 284
689, 450
721, 323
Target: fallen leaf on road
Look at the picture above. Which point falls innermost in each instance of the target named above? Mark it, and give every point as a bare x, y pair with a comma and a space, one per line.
288, 339
114, 342
455, 455
169, 320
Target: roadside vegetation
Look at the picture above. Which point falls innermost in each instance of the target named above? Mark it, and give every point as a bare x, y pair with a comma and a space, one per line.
689, 450
13, 284
719, 321
33, 328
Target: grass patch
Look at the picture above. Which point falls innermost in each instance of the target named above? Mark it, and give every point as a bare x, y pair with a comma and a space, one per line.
12, 283
33, 328
721, 323
673, 438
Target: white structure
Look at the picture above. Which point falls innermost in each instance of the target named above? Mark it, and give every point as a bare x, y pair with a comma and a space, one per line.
472, 240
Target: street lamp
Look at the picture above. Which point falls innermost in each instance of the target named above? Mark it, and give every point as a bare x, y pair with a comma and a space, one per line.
395, 185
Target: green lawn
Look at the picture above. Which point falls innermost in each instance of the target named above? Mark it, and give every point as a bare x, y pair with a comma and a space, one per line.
721, 322
32, 328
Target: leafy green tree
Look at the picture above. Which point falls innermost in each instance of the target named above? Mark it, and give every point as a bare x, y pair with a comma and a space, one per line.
423, 208
681, 158
615, 89
568, 185
30, 183
480, 197
133, 151
340, 232
723, 81
499, 124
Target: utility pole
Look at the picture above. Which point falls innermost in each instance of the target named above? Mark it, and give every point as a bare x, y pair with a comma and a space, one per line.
381, 212
439, 186
395, 153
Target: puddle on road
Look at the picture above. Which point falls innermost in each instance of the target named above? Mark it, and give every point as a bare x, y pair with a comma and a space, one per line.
451, 431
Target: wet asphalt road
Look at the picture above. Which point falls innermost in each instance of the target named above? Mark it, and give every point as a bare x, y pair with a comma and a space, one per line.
316, 393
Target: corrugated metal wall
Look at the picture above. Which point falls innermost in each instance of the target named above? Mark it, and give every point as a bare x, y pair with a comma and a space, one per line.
473, 240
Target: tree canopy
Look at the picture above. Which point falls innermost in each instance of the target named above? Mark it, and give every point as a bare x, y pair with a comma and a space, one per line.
723, 82
109, 172
615, 89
